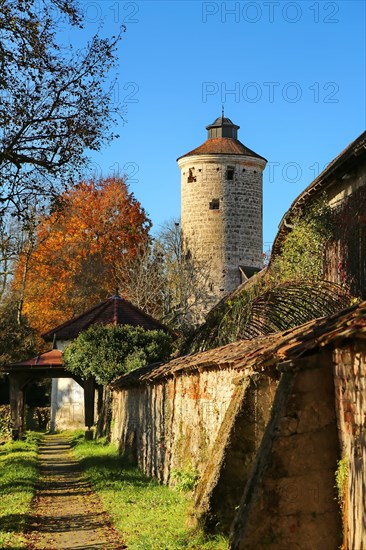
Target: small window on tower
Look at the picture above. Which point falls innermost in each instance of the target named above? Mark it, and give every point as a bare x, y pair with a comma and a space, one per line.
191, 176
215, 204
230, 174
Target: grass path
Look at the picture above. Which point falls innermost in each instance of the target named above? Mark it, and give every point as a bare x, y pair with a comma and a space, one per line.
66, 513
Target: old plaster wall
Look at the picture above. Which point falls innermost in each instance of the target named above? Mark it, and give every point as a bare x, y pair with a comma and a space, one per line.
351, 182
172, 424
345, 260
276, 444
290, 500
67, 400
67, 404
350, 393
221, 486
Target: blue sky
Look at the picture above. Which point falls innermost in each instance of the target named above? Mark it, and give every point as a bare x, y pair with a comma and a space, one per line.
290, 74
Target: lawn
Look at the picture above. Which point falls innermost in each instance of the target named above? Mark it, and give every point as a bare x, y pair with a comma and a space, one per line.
150, 516
18, 474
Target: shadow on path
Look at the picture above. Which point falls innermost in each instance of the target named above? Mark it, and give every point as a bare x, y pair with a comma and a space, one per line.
66, 513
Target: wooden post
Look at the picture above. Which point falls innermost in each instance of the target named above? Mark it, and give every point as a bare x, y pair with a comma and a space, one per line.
100, 409
16, 387
89, 397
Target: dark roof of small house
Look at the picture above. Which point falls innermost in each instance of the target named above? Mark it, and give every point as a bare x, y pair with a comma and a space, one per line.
114, 310
248, 356
335, 169
222, 146
46, 360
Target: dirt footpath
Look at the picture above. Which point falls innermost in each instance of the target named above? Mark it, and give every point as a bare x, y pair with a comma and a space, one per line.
66, 513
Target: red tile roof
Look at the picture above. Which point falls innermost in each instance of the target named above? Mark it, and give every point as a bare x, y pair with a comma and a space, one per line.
222, 146
49, 359
115, 310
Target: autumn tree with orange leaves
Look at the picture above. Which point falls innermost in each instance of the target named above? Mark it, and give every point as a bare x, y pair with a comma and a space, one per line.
91, 227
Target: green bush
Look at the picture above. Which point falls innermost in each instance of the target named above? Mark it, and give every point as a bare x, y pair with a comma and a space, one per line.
185, 480
106, 351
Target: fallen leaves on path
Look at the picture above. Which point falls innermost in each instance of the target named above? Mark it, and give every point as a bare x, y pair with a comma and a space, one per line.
66, 513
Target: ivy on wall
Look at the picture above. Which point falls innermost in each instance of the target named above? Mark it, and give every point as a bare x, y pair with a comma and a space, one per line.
302, 253
346, 253
290, 292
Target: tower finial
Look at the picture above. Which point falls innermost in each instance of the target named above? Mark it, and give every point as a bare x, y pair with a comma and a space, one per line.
222, 111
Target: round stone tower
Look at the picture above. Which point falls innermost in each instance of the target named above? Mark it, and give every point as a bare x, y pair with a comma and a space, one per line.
221, 186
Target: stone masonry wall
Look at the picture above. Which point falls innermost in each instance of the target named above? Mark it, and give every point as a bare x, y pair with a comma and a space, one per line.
172, 424
228, 236
290, 501
350, 393
219, 491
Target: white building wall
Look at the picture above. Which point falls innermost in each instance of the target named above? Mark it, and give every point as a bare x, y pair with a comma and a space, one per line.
67, 400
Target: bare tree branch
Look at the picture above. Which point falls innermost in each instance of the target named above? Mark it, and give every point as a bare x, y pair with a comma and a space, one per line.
54, 103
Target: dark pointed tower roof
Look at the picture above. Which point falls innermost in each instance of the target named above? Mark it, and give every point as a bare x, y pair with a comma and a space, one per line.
114, 310
222, 140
